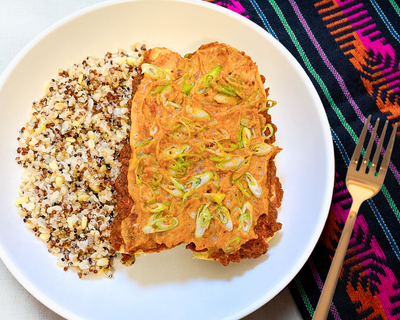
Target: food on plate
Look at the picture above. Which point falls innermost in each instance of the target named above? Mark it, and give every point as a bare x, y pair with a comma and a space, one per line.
199, 169
69, 151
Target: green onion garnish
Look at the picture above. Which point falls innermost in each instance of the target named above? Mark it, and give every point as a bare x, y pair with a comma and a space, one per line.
246, 217
240, 171
271, 130
253, 185
203, 219
234, 242
224, 216
155, 72
198, 112
261, 148
160, 225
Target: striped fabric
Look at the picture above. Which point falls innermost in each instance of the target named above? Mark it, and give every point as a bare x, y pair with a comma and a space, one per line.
350, 49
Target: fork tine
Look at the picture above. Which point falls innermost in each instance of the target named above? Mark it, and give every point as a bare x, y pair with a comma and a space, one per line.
364, 163
386, 158
378, 149
357, 150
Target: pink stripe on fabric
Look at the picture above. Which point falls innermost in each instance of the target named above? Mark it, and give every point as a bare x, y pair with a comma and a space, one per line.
387, 280
365, 40
236, 7
361, 21
343, 3
353, 8
356, 15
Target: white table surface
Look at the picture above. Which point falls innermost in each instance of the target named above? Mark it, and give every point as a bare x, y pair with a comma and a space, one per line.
20, 22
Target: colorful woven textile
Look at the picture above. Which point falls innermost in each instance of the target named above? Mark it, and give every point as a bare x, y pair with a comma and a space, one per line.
350, 49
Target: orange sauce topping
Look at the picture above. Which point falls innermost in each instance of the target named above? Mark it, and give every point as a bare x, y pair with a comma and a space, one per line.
199, 159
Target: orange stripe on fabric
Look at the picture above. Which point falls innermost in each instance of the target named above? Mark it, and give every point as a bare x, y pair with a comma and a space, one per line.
343, 37
322, 3
337, 14
341, 30
334, 6
330, 25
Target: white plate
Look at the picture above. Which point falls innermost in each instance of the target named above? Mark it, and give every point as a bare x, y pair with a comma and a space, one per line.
170, 285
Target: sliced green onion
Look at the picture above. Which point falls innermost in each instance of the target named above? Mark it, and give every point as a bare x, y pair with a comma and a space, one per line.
246, 218
156, 207
203, 219
252, 100
159, 88
271, 130
271, 103
171, 189
139, 172
232, 244
216, 180
223, 98
261, 148
229, 164
234, 82
155, 72
187, 87
174, 152
224, 216
207, 79
160, 225
245, 121
202, 147
198, 112
244, 136
156, 179
240, 171
229, 91
177, 184
216, 197
196, 182
253, 185
224, 148
143, 142
241, 188
148, 198
178, 170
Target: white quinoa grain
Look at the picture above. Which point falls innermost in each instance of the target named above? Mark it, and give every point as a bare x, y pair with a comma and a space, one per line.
69, 153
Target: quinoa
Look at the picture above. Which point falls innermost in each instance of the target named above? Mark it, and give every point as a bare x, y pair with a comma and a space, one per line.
69, 151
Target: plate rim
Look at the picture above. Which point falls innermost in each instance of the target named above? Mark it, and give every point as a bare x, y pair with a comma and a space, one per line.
322, 117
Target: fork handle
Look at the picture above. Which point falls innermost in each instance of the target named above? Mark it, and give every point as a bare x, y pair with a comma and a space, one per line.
324, 302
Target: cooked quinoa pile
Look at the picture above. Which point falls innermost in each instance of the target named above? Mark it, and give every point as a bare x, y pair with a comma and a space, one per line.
69, 153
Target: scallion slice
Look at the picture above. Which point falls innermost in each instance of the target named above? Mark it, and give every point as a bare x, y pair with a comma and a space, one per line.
241, 170
253, 185
261, 148
203, 219
198, 112
224, 216
232, 244
160, 225
246, 217
155, 72
271, 130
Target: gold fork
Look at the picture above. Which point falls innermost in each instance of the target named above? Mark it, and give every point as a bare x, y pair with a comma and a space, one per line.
362, 183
